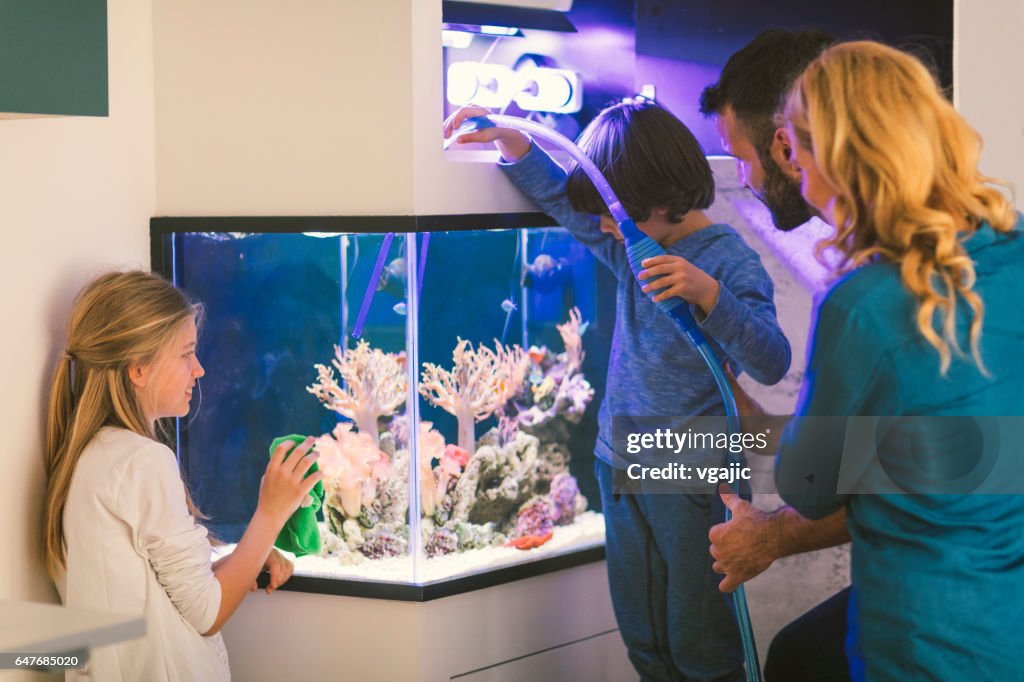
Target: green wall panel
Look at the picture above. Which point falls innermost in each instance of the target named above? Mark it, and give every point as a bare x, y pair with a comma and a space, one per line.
53, 57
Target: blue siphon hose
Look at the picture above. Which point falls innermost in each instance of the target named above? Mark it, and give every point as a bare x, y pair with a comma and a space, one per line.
639, 247
740, 594
637, 250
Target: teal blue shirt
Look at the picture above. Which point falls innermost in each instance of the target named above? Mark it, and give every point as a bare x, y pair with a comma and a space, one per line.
938, 579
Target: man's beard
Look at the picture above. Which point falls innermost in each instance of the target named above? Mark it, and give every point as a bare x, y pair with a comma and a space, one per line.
782, 197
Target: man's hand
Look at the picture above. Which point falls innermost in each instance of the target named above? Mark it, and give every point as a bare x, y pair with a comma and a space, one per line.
744, 546
752, 540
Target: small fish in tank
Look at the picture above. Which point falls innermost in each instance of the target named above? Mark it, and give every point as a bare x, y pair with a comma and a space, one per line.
546, 273
392, 278
509, 487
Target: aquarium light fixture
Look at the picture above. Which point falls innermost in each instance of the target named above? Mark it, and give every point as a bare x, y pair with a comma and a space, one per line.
484, 30
499, 30
459, 40
532, 88
486, 85
546, 89
512, 15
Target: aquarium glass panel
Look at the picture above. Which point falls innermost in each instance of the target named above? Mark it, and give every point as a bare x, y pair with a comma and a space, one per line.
503, 346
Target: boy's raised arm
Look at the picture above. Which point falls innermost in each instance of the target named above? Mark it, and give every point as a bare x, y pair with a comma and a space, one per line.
542, 180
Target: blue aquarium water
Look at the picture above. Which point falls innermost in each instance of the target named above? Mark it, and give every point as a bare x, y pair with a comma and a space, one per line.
278, 303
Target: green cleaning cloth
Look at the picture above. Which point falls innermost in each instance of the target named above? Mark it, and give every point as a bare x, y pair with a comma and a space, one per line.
300, 534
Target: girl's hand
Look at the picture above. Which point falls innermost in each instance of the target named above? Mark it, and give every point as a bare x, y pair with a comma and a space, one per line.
285, 484
512, 144
680, 277
280, 569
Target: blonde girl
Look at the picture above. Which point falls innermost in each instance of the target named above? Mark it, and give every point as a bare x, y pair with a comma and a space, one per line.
119, 532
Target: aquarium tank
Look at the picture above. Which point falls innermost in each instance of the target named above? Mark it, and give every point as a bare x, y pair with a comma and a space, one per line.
449, 368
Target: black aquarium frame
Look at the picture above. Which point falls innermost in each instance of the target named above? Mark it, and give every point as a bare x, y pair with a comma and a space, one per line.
163, 226
423, 592
162, 261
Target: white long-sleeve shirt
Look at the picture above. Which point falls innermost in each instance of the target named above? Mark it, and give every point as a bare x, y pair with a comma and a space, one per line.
133, 547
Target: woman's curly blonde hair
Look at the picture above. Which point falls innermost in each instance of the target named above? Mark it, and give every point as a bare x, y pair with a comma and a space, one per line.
905, 165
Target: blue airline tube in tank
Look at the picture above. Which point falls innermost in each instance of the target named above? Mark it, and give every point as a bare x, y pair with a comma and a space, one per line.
640, 247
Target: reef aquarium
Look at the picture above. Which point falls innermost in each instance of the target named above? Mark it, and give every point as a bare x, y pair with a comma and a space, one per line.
450, 369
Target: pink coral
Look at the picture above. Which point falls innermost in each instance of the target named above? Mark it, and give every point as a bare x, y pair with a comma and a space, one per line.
435, 480
431, 447
453, 451
352, 465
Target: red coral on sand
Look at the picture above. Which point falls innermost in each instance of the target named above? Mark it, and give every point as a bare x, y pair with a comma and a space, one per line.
460, 455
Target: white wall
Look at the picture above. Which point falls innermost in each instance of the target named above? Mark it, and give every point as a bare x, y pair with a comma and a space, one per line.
989, 86
266, 108
76, 195
320, 108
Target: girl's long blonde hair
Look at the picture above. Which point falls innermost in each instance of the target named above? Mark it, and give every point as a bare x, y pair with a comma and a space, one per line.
905, 164
120, 319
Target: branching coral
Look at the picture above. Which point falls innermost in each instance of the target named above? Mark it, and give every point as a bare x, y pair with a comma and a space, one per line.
373, 384
480, 382
513, 366
469, 391
572, 338
558, 388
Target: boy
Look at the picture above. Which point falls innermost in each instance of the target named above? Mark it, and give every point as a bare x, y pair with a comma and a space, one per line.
673, 619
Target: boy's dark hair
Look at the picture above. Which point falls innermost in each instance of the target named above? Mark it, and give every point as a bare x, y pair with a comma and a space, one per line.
756, 80
650, 159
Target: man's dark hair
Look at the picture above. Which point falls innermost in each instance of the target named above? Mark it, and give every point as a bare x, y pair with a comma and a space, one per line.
756, 80
650, 159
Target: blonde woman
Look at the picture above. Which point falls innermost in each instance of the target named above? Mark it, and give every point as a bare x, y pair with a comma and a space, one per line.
926, 322
120, 535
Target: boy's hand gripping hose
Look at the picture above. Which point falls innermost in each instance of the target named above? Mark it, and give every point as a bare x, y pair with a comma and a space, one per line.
640, 247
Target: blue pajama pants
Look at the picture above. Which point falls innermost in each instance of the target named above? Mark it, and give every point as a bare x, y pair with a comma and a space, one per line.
675, 622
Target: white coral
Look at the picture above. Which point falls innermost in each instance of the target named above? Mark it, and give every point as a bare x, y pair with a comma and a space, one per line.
373, 385
469, 391
573, 340
513, 367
